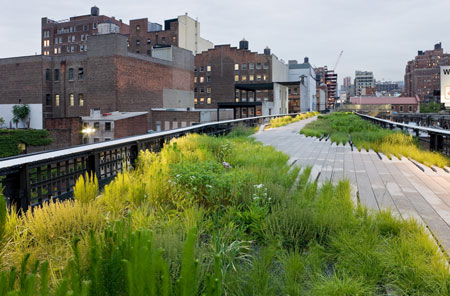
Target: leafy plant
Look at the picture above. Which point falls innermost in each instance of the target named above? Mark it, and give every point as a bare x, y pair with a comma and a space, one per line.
86, 188
20, 113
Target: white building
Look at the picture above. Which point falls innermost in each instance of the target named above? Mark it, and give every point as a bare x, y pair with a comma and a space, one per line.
189, 35
305, 74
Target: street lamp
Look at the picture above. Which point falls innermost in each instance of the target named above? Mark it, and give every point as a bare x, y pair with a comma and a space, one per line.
88, 131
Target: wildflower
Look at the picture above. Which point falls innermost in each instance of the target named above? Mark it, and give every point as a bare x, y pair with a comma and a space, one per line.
226, 165
258, 186
209, 186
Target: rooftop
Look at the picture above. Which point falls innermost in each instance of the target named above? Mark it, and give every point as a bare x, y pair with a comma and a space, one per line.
383, 100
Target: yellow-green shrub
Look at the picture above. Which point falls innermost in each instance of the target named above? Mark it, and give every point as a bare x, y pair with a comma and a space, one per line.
86, 188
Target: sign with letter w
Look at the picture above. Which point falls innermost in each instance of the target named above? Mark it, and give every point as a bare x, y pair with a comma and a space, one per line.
445, 85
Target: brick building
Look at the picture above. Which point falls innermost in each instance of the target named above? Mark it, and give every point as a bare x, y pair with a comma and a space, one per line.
107, 77
229, 74
329, 78
422, 75
183, 32
395, 104
70, 36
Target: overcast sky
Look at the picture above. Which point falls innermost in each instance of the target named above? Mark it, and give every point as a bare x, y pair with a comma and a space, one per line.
375, 35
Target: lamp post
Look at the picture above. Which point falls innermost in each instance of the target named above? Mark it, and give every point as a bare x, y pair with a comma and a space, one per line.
87, 132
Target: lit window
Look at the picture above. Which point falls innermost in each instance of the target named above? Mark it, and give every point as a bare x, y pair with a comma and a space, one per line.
251, 66
138, 28
244, 66
202, 79
70, 73
236, 77
208, 68
251, 77
208, 90
174, 39
46, 43
208, 101
265, 76
56, 50
244, 77
57, 100
71, 100
236, 67
80, 100
195, 79
195, 101
202, 100
258, 77
237, 100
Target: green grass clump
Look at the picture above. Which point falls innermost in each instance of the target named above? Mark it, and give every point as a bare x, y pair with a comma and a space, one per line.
183, 222
281, 121
365, 135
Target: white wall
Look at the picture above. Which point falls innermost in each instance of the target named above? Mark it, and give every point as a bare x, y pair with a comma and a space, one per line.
280, 70
164, 53
189, 35
35, 117
280, 99
210, 115
174, 98
308, 100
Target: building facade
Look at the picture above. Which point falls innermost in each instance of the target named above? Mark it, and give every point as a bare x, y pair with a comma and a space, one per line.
70, 36
364, 83
394, 104
422, 74
183, 32
230, 74
306, 76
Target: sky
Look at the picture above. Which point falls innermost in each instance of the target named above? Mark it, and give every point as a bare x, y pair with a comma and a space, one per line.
374, 35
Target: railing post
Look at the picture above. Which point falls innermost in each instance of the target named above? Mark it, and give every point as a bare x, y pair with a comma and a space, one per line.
93, 164
24, 187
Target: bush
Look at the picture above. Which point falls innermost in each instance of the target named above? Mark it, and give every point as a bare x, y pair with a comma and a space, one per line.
86, 188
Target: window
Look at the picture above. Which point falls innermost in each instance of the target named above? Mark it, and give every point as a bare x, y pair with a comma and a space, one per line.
202, 69
195, 89
46, 43
195, 101
202, 100
208, 101
258, 66
46, 34
138, 41
236, 67
71, 100
107, 126
208, 78
401, 108
56, 50
195, 69
71, 29
72, 48
94, 26
97, 125
48, 99
208, 90
208, 68
195, 79
410, 108
295, 90
202, 90
202, 79
266, 65
81, 100
251, 66
149, 41
57, 100
244, 77
258, 77
96, 140
56, 75
236, 77
85, 27
80, 73
265, 76
138, 27
82, 37
73, 38
70, 73
107, 139
251, 77
237, 100
46, 52
244, 66
47, 74
69, 38
163, 40
174, 39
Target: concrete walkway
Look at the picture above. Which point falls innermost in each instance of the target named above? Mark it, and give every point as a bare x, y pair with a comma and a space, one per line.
378, 183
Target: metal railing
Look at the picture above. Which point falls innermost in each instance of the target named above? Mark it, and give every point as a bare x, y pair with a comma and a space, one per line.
29, 180
438, 139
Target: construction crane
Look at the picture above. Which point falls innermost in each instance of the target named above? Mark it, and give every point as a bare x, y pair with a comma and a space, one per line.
338, 59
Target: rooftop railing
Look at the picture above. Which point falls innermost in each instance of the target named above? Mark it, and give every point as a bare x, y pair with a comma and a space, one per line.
31, 179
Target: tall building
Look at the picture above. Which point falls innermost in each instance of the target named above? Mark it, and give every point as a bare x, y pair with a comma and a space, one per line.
422, 75
346, 83
183, 32
364, 83
70, 36
226, 74
305, 74
327, 78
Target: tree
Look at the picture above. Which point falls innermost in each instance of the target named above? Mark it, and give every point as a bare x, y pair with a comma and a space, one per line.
20, 113
2, 122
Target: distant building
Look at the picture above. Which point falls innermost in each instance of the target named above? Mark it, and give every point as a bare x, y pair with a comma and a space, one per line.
183, 32
70, 36
393, 104
422, 75
388, 88
364, 83
305, 97
238, 76
98, 127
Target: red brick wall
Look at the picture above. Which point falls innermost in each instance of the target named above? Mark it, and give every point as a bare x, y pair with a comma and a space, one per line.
179, 116
222, 60
396, 108
155, 37
131, 126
